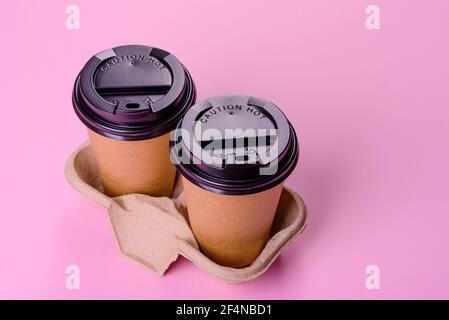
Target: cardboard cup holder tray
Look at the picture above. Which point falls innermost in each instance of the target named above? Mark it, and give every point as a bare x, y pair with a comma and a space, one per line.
154, 231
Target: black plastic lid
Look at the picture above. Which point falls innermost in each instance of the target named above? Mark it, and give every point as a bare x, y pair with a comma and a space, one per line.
133, 92
234, 145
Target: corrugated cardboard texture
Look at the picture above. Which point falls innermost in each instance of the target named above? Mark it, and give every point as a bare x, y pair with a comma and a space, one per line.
154, 230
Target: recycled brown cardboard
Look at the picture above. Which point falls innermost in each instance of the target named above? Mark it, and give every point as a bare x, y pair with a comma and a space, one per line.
154, 231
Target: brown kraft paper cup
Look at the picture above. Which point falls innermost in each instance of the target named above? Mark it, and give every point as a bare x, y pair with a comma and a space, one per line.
231, 205
141, 166
239, 231
130, 98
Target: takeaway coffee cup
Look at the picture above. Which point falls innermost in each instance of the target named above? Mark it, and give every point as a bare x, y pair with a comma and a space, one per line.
234, 153
130, 98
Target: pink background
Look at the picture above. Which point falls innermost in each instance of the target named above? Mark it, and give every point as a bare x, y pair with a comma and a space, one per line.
370, 107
